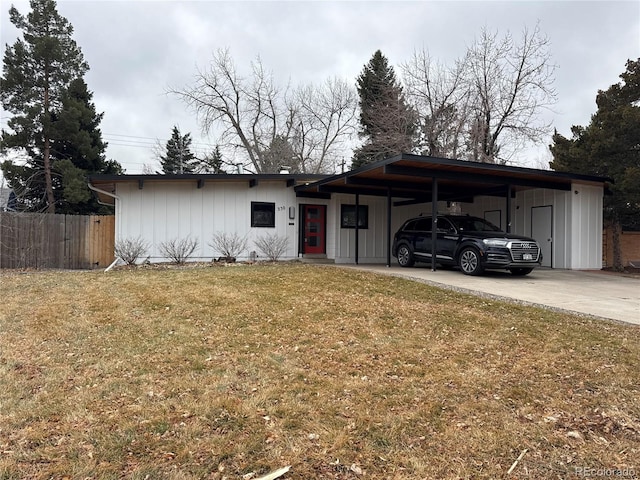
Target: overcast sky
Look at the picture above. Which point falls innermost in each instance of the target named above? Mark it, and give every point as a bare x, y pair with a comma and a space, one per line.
137, 49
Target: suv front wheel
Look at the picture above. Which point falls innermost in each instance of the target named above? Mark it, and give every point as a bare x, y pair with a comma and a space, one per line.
405, 256
469, 262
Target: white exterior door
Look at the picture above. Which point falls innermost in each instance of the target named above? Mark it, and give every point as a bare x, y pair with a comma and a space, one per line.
542, 231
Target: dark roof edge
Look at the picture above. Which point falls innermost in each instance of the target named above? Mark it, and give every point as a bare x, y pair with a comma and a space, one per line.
206, 176
462, 163
504, 168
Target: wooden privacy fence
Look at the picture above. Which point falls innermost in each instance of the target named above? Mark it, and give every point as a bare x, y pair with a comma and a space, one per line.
41, 240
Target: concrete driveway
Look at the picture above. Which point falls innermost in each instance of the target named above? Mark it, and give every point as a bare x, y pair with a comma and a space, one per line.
594, 293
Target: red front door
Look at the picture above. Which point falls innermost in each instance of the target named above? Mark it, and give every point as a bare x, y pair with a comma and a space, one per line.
314, 228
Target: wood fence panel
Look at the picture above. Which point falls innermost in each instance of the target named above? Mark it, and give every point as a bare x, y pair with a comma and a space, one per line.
102, 237
34, 240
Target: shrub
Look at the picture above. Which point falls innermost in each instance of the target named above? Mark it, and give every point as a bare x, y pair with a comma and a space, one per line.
130, 249
272, 246
178, 250
228, 245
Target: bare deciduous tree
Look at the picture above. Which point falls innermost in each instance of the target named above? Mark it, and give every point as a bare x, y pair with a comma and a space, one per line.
326, 121
489, 103
256, 116
511, 84
441, 97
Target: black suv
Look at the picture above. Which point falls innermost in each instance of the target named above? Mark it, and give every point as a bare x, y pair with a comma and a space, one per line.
471, 243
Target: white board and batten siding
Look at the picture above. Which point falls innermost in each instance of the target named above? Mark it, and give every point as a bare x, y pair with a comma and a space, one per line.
586, 227
372, 240
575, 222
163, 211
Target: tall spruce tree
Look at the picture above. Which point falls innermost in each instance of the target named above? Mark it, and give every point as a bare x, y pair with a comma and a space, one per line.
37, 69
78, 150
178, 158
212, 162
610, 146
387, 123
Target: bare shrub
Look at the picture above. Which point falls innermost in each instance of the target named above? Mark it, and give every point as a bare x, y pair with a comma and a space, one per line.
272, 246
130, 249
228, 245
178, 250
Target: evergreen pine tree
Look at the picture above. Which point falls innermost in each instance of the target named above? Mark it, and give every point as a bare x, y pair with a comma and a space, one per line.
387, 123
36, 71
212, 162
178, 158
77, 150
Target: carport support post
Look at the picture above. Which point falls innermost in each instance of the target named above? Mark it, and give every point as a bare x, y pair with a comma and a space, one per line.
509, 208
388, 226
357, 222
434, 221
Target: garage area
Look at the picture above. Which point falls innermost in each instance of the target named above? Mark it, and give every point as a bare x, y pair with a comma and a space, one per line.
562, 211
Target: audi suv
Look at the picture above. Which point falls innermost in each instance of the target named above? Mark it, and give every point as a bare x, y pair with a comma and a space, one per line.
470, 243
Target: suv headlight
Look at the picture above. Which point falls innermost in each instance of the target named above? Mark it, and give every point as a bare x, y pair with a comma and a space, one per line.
495, 242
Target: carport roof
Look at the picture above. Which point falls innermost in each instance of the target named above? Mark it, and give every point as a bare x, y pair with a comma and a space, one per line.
411, 177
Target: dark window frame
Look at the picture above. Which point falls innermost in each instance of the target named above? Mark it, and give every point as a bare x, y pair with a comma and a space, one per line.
348, 216
263, 207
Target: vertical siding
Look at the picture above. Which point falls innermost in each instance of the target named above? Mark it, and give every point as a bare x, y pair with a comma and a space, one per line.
561, 230
161, 212
586, 227
373, 241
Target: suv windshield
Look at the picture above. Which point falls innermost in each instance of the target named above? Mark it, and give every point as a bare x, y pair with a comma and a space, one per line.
474, 224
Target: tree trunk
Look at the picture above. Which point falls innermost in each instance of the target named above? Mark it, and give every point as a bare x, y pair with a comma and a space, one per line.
51, 201
46, 153
616, 230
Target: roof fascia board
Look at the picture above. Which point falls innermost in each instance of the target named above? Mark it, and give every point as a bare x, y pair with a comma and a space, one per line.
295, 178
385, 183
503, 168
475, 177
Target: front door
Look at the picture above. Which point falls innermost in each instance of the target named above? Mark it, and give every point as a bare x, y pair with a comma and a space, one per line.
314, 229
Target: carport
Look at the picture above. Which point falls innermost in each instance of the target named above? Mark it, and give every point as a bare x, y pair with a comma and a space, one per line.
409, 179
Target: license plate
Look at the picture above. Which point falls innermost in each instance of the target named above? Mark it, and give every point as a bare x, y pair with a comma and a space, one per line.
527, 256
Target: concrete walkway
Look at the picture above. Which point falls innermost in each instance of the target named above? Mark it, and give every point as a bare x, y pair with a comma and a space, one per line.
593, 293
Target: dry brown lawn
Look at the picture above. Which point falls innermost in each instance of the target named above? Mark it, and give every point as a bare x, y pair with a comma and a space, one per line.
234, 372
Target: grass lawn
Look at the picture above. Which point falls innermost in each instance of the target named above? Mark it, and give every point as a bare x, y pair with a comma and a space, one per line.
234, 372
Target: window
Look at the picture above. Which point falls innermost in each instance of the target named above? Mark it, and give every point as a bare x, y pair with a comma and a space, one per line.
444, 226
423, 224
263, 214
348, 216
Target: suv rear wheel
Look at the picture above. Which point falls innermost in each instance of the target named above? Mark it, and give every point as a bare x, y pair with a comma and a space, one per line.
405, 256
469, 262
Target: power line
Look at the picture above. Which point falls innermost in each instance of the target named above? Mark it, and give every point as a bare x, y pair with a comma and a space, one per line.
155, 139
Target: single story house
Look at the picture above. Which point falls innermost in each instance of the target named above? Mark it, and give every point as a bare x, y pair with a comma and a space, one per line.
351, 217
